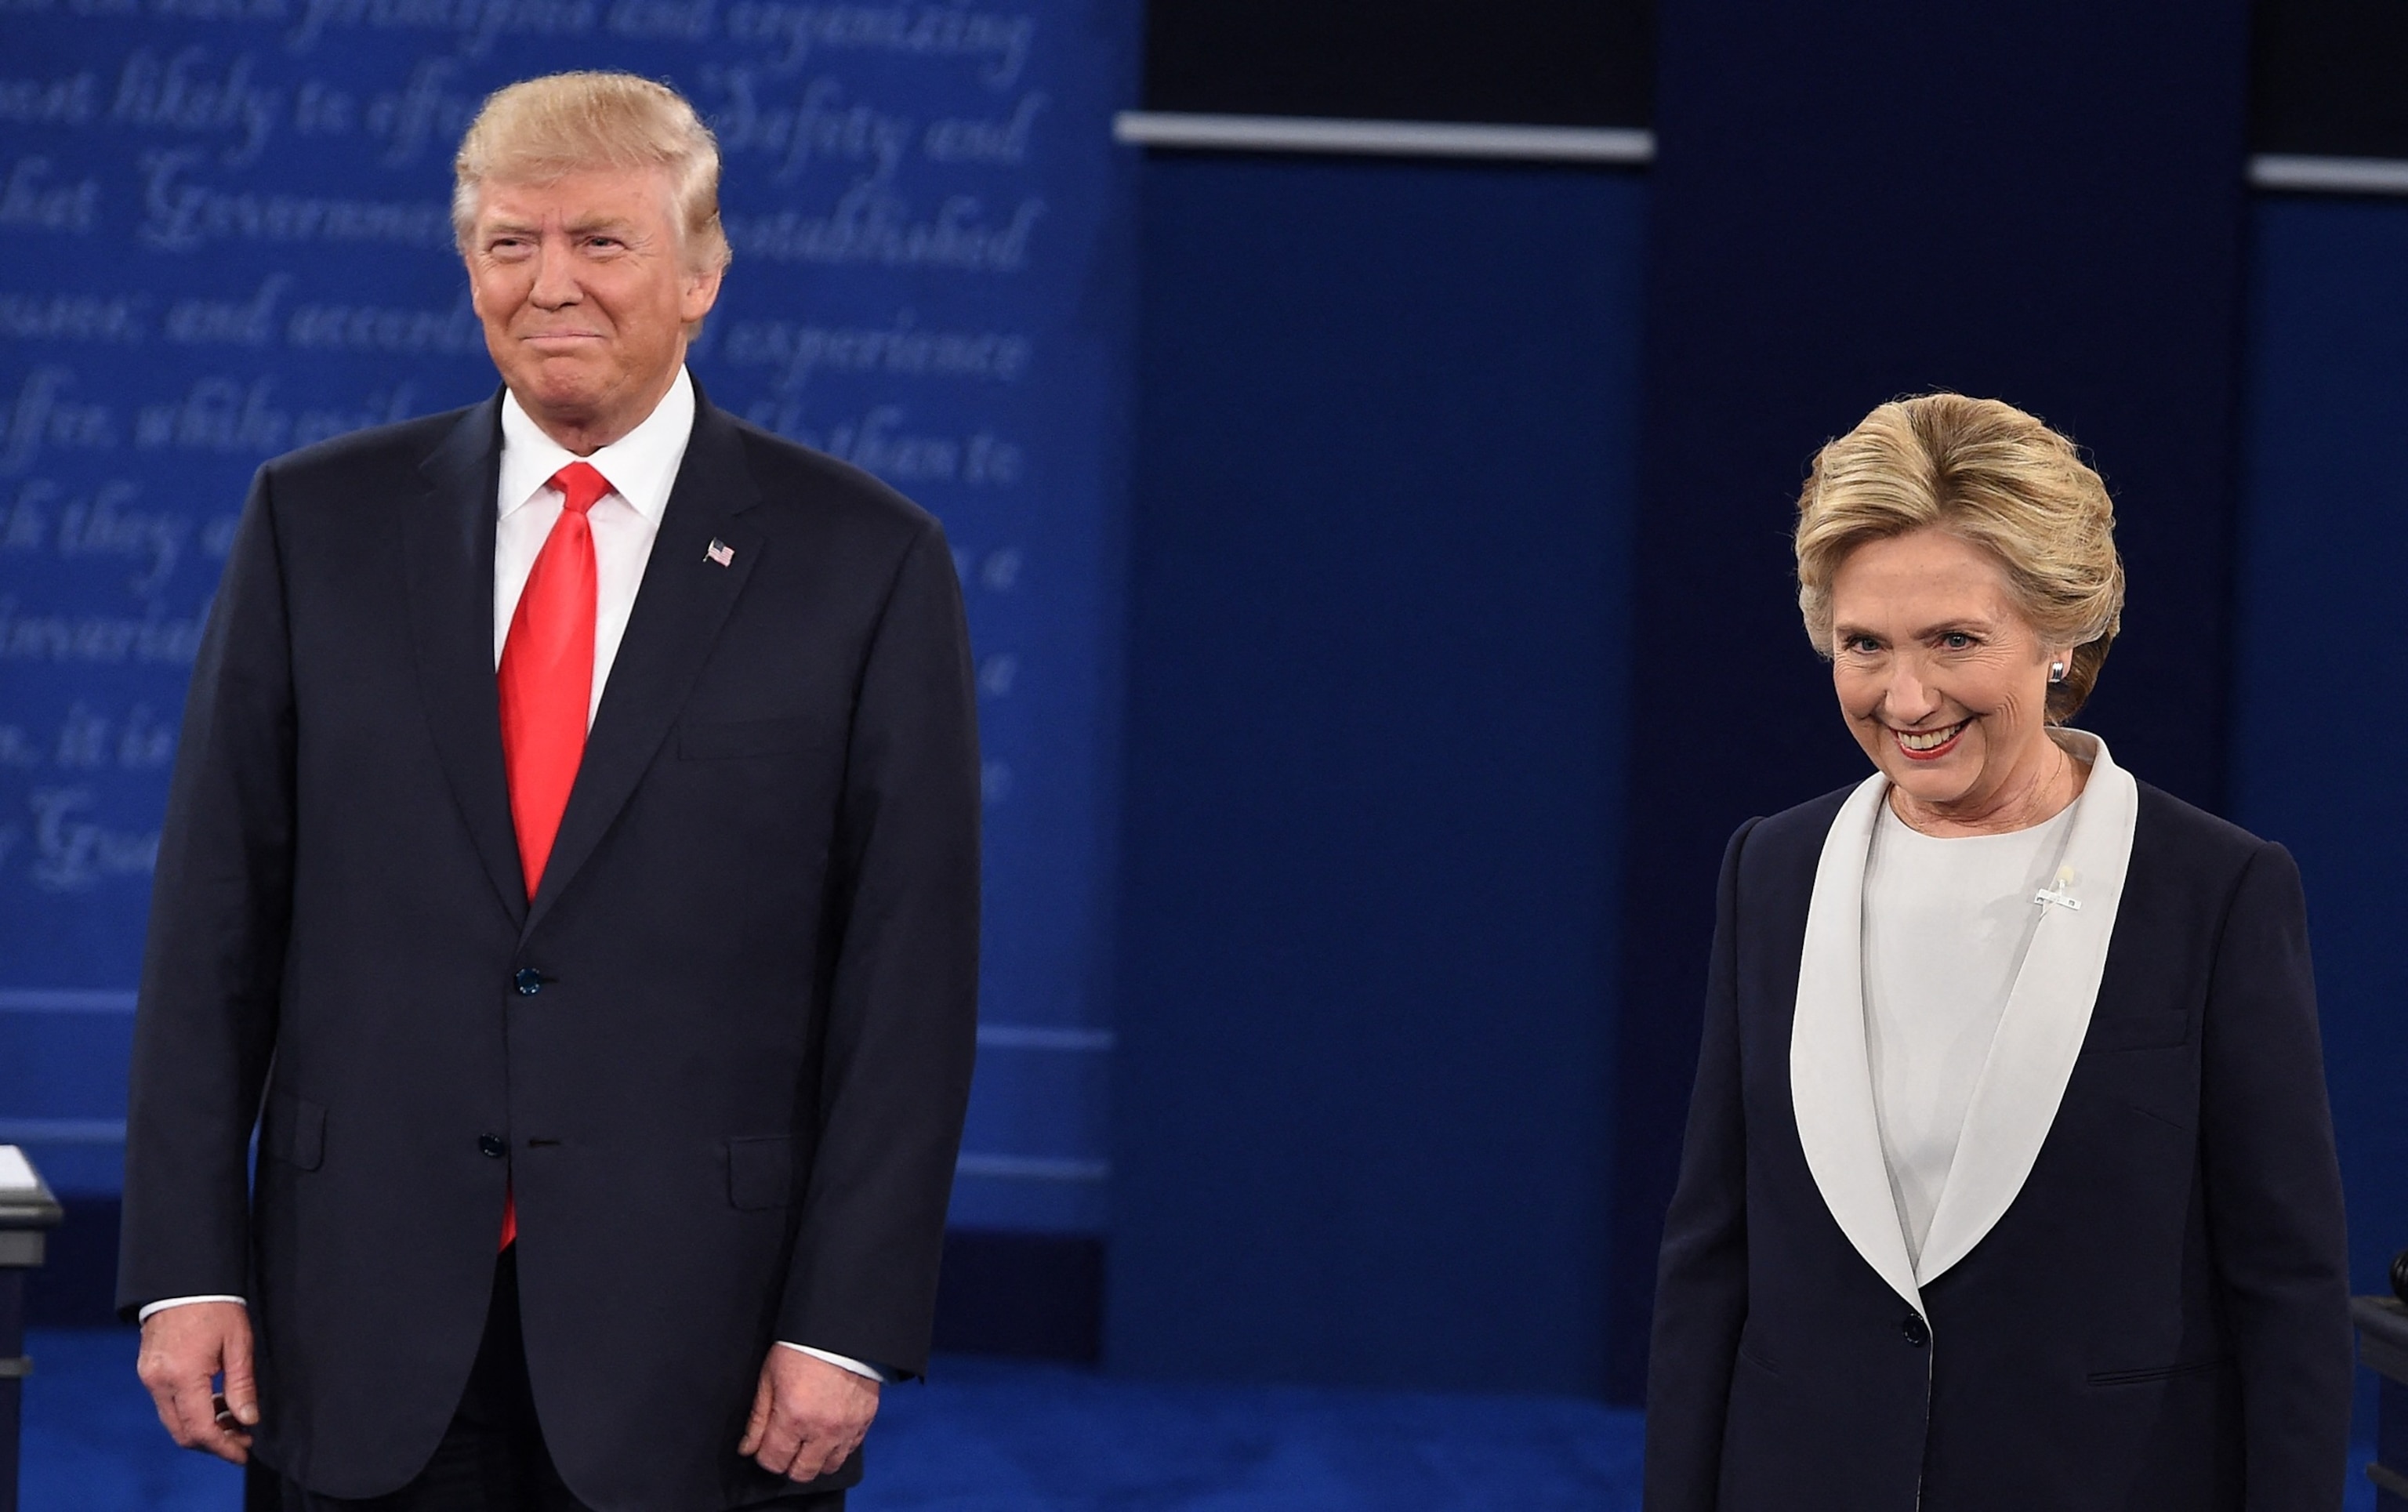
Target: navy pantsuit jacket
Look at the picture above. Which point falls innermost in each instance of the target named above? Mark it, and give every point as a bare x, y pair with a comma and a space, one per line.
2158, 1319
724, 1054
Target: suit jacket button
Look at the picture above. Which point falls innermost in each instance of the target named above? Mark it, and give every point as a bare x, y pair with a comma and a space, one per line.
529, 981
492, 1145
1917, 1332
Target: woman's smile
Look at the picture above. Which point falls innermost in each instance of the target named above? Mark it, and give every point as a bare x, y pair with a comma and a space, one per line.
1929, 745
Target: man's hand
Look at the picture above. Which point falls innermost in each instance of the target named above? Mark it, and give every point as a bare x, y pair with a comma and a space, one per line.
808, 1416
183, 1349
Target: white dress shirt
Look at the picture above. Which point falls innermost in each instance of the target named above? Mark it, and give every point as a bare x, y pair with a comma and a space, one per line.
1946, 923
640, 467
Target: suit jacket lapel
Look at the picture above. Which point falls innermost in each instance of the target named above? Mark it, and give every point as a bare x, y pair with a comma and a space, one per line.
685, 597
2048, 1015
1830, 1081
447, 547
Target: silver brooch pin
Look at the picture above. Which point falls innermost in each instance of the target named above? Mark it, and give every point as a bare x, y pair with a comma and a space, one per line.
2061, 894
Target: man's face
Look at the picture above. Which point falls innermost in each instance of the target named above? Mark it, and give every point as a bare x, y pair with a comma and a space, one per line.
585, 299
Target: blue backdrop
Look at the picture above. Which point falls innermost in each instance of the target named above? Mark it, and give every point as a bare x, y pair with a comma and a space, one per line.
1376, 734
228, 236
2321, 637
1380, 650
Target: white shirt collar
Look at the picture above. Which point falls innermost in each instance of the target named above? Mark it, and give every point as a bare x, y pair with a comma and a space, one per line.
642, 465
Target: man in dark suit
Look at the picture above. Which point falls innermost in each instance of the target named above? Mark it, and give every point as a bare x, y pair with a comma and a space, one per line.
571, 868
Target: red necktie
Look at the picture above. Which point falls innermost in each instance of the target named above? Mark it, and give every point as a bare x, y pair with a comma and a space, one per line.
547, 686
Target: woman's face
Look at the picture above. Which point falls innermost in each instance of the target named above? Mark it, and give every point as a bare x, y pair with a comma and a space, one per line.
1942, 679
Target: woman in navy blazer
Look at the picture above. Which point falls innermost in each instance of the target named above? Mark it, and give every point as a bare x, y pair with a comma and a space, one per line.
2107, 1270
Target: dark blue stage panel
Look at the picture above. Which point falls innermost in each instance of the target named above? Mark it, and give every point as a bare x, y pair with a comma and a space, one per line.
1384, 480
228, 236
2321, 634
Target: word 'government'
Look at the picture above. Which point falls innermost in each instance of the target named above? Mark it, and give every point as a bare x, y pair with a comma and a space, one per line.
181, 215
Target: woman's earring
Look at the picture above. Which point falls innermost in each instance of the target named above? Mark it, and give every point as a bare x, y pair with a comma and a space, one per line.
2056, 672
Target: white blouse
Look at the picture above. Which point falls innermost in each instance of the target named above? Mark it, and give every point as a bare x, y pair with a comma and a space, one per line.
1946, 923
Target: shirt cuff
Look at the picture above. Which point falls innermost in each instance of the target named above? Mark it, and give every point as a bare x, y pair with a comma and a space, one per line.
144, 1315
840, 1361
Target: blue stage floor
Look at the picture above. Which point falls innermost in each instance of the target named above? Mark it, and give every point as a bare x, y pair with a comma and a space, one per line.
989, 1435
1000, 1436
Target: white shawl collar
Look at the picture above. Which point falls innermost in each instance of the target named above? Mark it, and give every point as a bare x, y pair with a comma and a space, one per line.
2040, 1033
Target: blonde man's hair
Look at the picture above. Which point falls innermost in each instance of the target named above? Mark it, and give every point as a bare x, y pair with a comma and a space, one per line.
1991, 474
543, 129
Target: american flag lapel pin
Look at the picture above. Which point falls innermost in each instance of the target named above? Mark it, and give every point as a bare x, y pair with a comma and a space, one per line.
720, 553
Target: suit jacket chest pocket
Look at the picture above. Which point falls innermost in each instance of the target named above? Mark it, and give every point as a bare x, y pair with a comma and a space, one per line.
746, 801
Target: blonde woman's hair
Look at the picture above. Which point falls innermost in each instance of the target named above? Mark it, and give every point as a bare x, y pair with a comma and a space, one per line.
543, 129
1991, 474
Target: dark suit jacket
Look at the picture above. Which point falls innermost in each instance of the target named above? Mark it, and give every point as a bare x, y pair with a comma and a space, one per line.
2158, 1321
732, 1105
